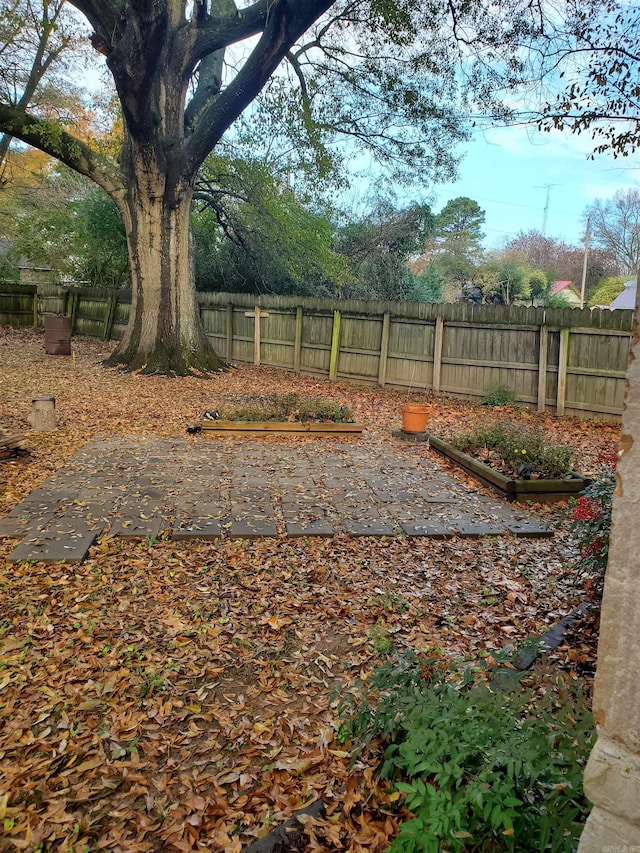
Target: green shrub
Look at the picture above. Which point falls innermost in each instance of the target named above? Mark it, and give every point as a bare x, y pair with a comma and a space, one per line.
289, 407
478, 770
499, 396
513, 445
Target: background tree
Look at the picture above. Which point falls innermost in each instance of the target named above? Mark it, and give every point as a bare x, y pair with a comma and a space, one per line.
561, 261
379, 245
457, 246
73, 226
38, 43
502, 280
615, 224
254, 234
607, 291
540, 252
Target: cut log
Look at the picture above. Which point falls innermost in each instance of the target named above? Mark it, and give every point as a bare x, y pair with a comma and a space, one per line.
43, 413
12, 444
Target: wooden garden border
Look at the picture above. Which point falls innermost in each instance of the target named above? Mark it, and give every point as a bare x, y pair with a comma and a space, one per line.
538, 491
260, 427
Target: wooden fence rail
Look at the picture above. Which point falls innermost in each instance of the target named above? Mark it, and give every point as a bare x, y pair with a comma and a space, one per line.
564, 360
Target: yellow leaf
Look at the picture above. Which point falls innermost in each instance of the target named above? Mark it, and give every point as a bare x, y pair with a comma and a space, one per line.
508, 831
91, 764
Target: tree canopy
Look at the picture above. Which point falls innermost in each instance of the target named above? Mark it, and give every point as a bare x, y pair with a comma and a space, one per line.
595, 48
616, 228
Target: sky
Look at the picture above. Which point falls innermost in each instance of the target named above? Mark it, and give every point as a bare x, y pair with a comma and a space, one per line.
509, 172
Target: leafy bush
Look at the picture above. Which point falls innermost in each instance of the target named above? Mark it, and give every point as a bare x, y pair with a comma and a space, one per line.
512, 445
499, 396
289, 407
607, 291
479, 770
592, 519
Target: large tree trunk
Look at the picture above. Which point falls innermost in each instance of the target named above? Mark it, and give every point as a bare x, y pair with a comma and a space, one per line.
164, 334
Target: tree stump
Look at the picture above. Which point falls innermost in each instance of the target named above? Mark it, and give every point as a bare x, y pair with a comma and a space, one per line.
43, 413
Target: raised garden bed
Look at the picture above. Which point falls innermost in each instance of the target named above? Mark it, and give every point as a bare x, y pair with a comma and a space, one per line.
285, 413
511, 488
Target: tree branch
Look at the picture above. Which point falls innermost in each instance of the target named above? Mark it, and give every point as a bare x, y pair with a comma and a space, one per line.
222, 30
286, 22
48, 137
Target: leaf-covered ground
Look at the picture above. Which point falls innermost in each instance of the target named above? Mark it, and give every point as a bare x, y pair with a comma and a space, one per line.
182, 696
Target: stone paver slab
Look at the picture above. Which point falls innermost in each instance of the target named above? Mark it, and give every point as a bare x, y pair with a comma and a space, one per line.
197, 528
252, 529
472, 529
15, 528
144, 485
137, 528
431, 529
369, 528
309, 528
51, 547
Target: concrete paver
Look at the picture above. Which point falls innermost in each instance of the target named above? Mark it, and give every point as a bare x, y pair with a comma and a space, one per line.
142, 486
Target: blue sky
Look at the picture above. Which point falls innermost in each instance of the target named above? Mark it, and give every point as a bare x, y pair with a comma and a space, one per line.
507, 170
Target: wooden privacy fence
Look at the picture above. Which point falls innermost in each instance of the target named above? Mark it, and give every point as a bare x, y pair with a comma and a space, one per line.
565, 360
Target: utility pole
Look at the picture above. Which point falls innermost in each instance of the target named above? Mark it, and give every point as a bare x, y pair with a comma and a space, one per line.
545, 215
587, 239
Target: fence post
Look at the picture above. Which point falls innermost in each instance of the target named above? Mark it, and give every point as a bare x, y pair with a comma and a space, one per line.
563, 363
229, 331
384, 348
335, 346
74, 311
110, 315
297, 343
35, 308
543, 355
257, 315
437, 353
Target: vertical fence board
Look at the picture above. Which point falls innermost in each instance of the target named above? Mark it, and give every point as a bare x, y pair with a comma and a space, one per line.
297, 340
335, 346
384, 349
563, 361
229, 332
543, 355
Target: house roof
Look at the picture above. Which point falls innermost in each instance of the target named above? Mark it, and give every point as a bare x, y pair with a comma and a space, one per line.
559, 286
626, 299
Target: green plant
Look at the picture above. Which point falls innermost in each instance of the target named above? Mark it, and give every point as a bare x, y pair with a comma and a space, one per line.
289, 407
479, 770
499, 396
379, 636
592, 518
512, 445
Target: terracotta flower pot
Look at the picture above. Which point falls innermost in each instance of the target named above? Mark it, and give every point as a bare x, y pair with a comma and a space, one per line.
414, 417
